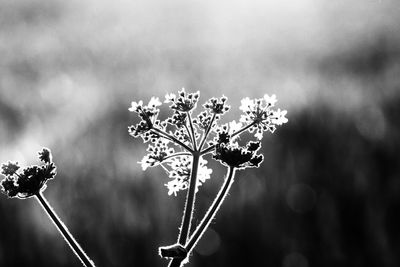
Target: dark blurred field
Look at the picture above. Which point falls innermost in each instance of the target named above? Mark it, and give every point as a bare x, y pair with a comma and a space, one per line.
328, 193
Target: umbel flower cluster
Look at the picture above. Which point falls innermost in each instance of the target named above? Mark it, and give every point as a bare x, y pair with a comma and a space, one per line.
179, 143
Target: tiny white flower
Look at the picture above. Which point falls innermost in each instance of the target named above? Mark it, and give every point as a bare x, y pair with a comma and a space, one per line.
203, 172
234, 127
135, 105
246, 104
279, 117
174, 186
169, 98
145, 163
258, 135
154, 102
243, 118
271, 100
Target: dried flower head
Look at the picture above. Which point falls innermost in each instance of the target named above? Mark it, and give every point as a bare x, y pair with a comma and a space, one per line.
231, 154
31, 180
9, 168
45, 155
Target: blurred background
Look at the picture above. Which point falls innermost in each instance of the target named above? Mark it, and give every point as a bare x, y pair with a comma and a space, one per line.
328, 192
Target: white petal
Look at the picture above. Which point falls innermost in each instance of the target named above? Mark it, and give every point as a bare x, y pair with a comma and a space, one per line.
258, 135
154, 102
271, 100
234, 127
246, 104
135, 105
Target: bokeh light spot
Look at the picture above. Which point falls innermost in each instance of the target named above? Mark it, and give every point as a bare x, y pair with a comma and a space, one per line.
371, 123
209, 243
301, 198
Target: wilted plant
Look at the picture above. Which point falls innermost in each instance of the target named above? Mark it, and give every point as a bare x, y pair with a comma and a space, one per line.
31, 182
179, 143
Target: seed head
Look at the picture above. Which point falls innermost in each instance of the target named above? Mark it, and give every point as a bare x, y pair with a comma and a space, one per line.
31, 180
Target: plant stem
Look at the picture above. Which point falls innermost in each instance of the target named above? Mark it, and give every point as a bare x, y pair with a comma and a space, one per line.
188, 210
202, 227
188, 133
76, 248
243, 129
177, 155
207, 131
192, 130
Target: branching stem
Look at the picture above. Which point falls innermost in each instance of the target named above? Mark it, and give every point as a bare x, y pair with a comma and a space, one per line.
172, 138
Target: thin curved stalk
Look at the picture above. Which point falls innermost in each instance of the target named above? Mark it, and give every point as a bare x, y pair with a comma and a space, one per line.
243, 129
202, 227
73, 244
177, 155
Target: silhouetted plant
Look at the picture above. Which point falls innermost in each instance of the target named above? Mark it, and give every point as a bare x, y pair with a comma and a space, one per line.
178, 144
31, 182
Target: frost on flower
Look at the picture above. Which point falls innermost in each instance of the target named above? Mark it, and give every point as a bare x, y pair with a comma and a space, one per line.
181, 168
31, 180
259, 114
